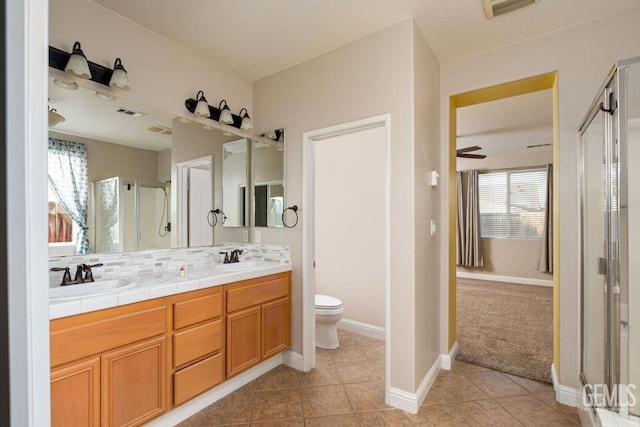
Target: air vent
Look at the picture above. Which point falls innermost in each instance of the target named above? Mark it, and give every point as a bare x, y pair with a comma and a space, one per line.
500, 7
131, 113
163, 130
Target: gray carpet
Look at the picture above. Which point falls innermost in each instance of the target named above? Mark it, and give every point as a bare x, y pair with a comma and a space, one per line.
507, 327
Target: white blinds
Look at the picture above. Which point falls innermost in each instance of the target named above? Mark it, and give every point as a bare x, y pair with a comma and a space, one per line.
512, 203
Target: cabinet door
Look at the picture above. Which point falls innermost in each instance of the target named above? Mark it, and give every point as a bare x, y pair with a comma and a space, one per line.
243, 340
275, 327
75, 394
134, 383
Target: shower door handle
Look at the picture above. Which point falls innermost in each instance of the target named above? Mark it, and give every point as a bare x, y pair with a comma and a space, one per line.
602, 266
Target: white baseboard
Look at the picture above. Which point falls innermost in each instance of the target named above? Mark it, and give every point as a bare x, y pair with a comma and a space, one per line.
448, 358
293, 360
361, 328
506, 279
566, 395
198, 403
411, 402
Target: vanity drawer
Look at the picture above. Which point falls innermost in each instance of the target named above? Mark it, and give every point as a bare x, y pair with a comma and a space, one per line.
197, 378
85, 335
256, 291
186, 313
196, 342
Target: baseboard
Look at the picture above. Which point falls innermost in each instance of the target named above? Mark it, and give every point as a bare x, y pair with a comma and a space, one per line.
448, 358
506, 279
411, 402
566, 395
361, 328
198, 403
293, 360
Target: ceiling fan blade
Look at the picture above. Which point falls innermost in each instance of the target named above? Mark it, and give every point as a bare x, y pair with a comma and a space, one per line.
467, 149
471, 156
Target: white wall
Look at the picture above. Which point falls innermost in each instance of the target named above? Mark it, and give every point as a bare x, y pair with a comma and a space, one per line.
349, 222
582, 55
366, 78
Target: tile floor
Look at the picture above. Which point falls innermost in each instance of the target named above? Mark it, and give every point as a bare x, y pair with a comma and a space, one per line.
347, 389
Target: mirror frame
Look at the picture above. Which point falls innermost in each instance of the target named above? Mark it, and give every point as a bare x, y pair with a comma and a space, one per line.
253, 175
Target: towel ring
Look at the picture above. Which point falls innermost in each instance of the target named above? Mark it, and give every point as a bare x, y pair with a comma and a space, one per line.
215, 213
294, 209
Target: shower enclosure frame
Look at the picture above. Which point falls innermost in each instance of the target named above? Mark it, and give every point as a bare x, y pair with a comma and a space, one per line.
611, 104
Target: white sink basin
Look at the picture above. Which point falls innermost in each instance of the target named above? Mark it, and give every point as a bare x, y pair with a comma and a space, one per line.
89, 289
240, 266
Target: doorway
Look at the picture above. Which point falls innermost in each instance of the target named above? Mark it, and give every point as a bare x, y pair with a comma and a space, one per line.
195, 202
493, 93
334, 217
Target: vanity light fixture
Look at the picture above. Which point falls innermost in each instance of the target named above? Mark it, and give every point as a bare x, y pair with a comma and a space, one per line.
202, 107
222, 114
105, 96
119, 77
63, 84
246, 120
225, 113
77, 64
55, 117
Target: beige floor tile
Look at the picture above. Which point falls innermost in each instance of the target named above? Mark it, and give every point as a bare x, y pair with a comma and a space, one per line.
280, 378
354, 372
433, 398
346, 420
276, 405
343, 354
296, 422
366, 396
321, 375
495, 384
531, 411
549, 398
389, 417
460, 367
325, 400
530, 385
457, 388
232, 409
481, 413
437, 415
323, 356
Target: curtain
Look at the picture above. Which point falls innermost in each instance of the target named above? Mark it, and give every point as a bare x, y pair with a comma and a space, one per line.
469, 247
68, 180
545, 264
107, 207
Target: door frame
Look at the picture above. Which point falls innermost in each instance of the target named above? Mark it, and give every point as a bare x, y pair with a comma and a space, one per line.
479, 96
309, 139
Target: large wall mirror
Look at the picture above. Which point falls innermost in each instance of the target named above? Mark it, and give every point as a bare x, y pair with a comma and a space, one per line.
129, 198
268, 178
235, 174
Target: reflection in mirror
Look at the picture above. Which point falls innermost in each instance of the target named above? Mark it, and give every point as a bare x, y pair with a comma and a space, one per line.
126, 201
195, 202
268, 178
234, 183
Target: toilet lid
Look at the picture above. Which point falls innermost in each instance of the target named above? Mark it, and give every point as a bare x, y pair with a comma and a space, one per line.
325, 301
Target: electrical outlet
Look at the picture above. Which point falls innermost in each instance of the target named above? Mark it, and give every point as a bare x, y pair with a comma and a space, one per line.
257, 236
433, 227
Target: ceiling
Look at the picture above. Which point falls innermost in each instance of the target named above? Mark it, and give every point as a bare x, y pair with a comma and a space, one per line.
256, 38
507, 126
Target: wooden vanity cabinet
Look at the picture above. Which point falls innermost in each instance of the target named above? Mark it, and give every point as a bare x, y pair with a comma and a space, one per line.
198, 343
75, 394
258, 320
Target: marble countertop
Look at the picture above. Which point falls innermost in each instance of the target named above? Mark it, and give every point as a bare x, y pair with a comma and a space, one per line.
160, 285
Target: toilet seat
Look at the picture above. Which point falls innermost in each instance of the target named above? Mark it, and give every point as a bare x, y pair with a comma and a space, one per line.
326, 302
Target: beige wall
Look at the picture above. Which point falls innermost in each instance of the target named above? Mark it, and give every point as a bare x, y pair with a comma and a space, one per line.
349, 222
582, 55
426, 98
162, 73
509, 257
369, 77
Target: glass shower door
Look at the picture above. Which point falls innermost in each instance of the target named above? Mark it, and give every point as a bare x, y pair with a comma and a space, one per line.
594, 247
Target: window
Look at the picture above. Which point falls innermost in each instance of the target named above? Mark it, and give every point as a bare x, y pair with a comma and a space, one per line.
512, 203
60, 223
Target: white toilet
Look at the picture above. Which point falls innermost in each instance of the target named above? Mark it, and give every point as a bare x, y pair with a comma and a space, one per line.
328, 312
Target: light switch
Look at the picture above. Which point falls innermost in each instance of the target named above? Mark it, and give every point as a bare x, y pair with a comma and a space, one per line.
434, 178
433, 227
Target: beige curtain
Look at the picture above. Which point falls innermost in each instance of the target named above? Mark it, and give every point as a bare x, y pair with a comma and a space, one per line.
469, 243
545, 264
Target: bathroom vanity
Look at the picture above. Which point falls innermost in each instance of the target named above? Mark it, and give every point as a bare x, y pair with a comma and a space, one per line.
130, 363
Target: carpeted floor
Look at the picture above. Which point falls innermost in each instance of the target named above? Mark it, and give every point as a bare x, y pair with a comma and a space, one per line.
507, 327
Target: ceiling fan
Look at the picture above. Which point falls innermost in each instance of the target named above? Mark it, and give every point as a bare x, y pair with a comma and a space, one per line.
464, 152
